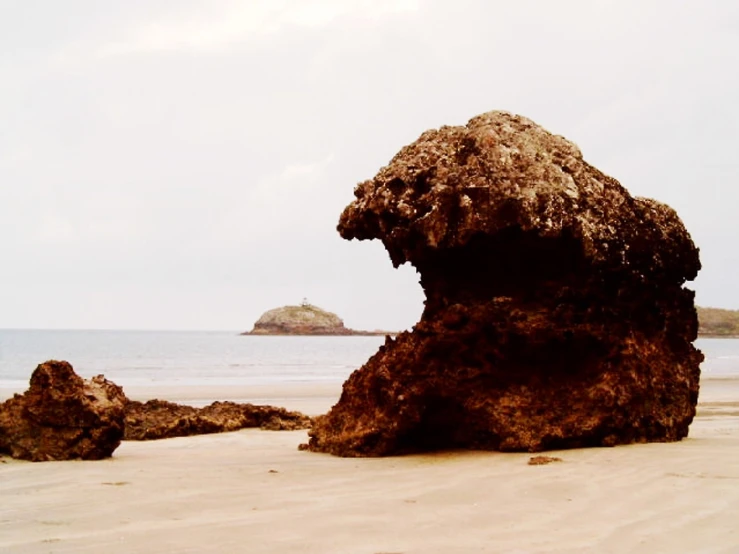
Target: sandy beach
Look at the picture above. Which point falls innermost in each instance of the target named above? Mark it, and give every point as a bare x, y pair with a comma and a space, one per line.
253, 491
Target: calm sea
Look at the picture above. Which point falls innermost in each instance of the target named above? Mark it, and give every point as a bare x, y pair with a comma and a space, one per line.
156, 358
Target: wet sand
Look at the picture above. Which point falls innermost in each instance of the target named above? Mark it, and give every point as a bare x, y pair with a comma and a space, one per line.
253, 491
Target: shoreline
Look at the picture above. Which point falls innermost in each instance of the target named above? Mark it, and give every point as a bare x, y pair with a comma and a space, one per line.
316, 398
711, 384
254, 491
307, 397
348, 333
310, 398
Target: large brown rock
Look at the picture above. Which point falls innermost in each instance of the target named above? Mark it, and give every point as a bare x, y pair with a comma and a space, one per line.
159, 419
62, 417
555, 312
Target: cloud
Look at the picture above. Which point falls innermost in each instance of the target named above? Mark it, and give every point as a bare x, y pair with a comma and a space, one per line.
16, 155
244, 22
291, 200
211, 146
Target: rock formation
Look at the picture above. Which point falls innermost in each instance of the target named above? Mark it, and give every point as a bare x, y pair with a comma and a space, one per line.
555, 312
717, 322
159, 419
305, 319
62, 416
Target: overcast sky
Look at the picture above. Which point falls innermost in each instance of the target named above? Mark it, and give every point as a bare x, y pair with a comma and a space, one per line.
182, 164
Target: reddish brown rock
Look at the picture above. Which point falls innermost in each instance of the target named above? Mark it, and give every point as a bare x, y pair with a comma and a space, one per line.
543, 460
555, 316
62, 417
159, 419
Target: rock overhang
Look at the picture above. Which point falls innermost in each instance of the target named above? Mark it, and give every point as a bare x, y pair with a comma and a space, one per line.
502, 171
555, 312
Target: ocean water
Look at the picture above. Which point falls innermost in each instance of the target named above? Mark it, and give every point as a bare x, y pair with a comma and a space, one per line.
165, 358
157, 358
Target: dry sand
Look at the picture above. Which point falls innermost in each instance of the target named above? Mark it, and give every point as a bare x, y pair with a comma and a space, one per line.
252, 491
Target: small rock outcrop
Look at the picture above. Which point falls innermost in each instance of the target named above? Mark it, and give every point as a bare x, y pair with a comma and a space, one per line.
62, 417
718, 322
555, 316
305, 319
159, 419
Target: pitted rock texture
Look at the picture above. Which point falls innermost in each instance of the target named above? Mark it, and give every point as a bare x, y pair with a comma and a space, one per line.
555, 316
159, 419
62, 417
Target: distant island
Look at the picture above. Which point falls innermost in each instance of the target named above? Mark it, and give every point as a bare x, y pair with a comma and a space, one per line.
717, 322
305, 319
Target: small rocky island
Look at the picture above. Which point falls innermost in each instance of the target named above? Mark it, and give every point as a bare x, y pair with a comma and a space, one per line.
718, 323
305, 319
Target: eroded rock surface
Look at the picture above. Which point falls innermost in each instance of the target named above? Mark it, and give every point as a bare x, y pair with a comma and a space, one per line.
159, 419
62, 417
555, 314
